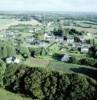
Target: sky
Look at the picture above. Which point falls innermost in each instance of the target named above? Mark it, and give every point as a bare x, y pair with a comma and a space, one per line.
49, 5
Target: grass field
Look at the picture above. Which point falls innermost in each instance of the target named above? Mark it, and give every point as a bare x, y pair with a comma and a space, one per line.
73, 68
33, 62
6, 95
90, 30
61, 66
5, 23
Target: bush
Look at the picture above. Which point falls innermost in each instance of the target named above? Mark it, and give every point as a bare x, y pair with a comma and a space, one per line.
24, 51
81, 88
32, 51
10, 51
87, 61
58, 32
74, 32
7, 51
32, 84
10, 73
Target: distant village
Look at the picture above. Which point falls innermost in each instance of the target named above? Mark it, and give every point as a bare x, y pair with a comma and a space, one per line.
40, 37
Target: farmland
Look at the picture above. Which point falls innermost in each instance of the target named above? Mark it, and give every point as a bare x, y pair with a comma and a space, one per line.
6, 22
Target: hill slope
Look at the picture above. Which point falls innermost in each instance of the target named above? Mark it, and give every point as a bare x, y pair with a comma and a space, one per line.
6, 95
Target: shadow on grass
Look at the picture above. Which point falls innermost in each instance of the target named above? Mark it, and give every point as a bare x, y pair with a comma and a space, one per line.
86, 71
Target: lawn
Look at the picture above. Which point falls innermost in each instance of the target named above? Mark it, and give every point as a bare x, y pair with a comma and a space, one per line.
5, 23
73, 68
90, 30
61, 66
6, 95
36, 62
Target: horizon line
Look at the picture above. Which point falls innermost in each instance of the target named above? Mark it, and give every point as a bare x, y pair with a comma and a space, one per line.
51, 11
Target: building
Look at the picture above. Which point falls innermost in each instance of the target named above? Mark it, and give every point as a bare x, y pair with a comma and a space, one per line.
70, 40
65, 58
12, 59
9, 35
84, 49
29, 39
47, 36
59, 39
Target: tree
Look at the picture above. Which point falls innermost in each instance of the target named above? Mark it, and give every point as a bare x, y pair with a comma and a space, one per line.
24, 52
19, 41
34, 85
92, 51
7, 50
3, 52
32, 51
58, 32
81, 88
2, 71
42, 84
87, 61
10, 51
74, 31
77, 39
12, 74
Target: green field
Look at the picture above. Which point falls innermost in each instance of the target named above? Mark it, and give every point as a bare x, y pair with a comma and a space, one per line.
73, 68
90, 30
6, 95
5, 23
33, 62
61, 66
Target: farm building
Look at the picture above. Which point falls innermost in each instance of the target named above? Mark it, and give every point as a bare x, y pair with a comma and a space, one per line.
84, 49
65, 58
70, 40
12, 59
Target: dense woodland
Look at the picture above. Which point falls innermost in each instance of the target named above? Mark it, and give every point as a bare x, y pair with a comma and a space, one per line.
43, 84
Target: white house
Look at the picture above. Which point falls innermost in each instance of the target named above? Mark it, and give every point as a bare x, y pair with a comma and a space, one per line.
31, 31
70, 40
65, 58
10, 34
12, 59
1, 35
59, 39
29, 39
82, 39
48, 37
84, 49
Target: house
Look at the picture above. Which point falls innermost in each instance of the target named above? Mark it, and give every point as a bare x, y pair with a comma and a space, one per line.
29, 39
65, 58
70, 40
84, 49
31, 31
35, 42
59, 39
12, 59
1, 35
9, 34
82, 39
47, 36
95, 34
